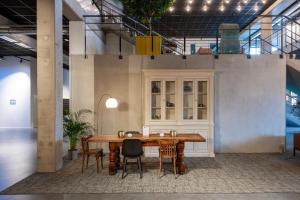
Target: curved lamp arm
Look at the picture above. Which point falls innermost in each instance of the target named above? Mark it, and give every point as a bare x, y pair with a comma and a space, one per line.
97, 112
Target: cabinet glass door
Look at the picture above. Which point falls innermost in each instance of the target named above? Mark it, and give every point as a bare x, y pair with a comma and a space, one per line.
202, 100
156, 100
170, 100
188, 100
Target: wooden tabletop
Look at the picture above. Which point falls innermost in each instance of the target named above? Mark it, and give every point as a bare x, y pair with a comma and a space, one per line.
190, 137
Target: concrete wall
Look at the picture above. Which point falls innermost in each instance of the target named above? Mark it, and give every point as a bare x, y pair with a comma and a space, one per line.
15, 87
249, 104
249, 96
112, 41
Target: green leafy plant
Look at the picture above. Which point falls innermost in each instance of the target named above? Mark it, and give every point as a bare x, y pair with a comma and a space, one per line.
75, 126
146, 10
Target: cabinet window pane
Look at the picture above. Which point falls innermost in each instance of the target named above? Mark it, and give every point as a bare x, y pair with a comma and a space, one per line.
170, 100
202, 100
188, 96
155, 100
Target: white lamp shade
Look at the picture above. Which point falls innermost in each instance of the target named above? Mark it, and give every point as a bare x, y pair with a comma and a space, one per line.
111, 103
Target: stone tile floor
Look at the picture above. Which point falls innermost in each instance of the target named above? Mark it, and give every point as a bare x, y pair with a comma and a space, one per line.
224, 174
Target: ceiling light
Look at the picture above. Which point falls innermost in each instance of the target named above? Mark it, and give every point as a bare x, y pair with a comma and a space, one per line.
222, 8
245, 1
255, 8
208, 1
188, 8
171, 9
190, 1
264, 1
23, 45
239, 8
205, 8
8, 39
227, 1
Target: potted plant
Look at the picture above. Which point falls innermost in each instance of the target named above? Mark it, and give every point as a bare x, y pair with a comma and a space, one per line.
74, 127
145, 11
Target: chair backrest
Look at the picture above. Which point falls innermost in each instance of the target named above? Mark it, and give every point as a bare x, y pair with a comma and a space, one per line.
167, 148
297, 140
132, 147
85, 143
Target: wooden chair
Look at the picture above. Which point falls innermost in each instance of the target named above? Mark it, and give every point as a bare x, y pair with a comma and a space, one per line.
167, 149
87, 152
296, 142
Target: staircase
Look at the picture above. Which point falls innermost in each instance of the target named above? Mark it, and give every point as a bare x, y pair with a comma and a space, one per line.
112, 19
285, 38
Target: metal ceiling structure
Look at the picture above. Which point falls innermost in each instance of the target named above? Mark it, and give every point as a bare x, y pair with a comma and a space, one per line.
200, 23
23, 12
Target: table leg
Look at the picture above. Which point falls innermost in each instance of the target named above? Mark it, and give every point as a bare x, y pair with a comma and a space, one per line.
180, 157
113, 158
118, 159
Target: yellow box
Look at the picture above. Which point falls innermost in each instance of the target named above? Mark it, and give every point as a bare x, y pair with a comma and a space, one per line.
143, 45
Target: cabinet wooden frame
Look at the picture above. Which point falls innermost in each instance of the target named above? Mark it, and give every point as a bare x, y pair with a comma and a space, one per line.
181, 125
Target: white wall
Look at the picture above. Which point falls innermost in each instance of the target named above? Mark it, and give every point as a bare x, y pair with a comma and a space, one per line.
15, 85
66, 84
249, 95
250, 104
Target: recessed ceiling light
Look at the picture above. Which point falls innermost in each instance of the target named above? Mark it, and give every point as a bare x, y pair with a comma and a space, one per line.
208, 1
239, 8
264, 1
255, 8
205, 8
227, 1
171, 9
190, 1
222, 8
8, 39
245, 1
188, 8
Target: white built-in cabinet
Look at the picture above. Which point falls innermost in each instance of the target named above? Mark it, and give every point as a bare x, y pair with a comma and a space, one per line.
180, 100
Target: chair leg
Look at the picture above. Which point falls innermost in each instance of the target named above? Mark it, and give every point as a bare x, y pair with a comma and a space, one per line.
83, 161
97, 161
124, 166
160, 165
174, 165
140, 167
137, 162
87, 161
101, 161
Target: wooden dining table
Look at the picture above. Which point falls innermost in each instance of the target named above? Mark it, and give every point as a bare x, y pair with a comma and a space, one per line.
152, 140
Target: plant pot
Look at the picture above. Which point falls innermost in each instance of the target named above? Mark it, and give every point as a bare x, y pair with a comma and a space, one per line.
148, 45
72, 154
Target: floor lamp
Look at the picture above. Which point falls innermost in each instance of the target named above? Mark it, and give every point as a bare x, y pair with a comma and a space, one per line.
110, 103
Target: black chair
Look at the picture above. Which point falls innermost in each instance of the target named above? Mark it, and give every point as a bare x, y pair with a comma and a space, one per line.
132, 148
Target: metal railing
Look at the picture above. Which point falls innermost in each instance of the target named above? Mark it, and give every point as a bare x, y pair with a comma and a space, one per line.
111, 14
284, 37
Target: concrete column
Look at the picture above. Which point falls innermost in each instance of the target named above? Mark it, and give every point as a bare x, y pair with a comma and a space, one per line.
266, 32
49, 85
33, 91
